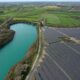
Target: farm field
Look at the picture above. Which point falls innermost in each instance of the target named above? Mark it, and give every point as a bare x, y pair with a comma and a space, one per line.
55, 16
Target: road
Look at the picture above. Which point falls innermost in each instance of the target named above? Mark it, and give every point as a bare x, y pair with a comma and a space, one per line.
61, 60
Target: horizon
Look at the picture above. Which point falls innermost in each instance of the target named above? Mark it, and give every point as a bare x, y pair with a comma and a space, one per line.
40, 1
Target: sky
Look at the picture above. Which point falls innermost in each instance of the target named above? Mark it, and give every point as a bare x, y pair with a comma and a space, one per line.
36, 0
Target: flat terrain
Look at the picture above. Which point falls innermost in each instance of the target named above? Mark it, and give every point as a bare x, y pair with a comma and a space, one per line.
54, 15
62, 58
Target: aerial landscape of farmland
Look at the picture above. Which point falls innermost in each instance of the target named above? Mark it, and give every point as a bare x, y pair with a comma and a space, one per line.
39, 40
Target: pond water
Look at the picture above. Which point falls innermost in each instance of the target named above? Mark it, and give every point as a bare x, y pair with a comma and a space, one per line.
15, 51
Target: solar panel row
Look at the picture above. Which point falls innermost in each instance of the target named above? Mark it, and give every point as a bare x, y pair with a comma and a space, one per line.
62, 60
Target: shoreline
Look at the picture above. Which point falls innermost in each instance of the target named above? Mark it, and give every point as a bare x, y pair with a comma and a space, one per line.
6, 28
23, 67
24, 64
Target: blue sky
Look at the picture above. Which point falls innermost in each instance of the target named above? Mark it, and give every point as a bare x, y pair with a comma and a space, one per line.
35, 0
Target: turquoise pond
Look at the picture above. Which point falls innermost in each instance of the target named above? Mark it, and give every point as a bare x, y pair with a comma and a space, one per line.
15, 51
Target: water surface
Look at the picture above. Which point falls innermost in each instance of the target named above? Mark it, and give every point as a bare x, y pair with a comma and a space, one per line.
15, 51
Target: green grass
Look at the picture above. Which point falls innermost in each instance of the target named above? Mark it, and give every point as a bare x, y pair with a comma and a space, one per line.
55, 17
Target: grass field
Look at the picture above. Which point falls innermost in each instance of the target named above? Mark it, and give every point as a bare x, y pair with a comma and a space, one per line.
55, 16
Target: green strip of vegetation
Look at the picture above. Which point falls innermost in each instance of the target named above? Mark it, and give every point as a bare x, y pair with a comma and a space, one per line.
55, 16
